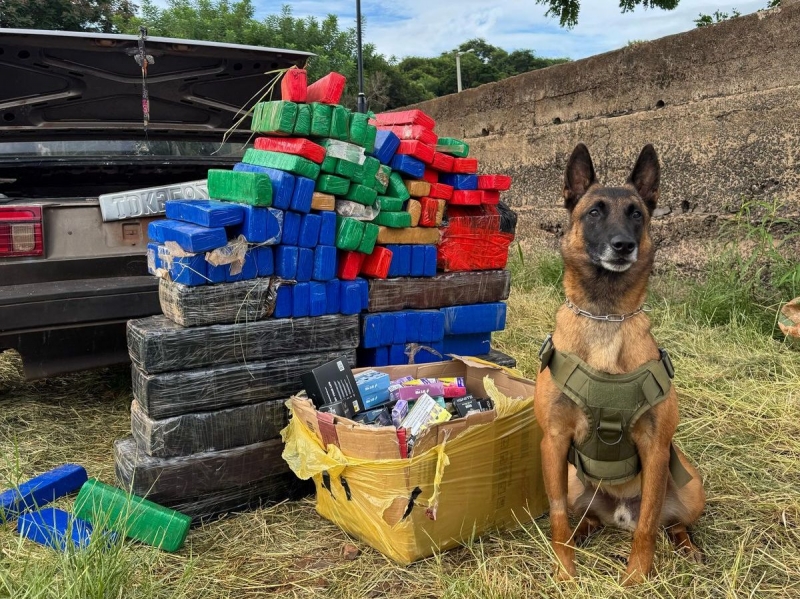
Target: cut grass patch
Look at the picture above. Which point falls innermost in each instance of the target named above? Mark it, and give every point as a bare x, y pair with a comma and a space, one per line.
739, 391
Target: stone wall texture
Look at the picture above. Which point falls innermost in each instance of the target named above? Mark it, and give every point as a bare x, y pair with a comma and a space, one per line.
720, 104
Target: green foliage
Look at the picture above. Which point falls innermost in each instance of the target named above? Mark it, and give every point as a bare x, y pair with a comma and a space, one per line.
717, 17
567, 10
66, 15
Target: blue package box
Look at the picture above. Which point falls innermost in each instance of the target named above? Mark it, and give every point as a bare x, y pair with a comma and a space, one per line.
301, 300
284, 302
327, 228
260, 225
56, 529
191, 238
386, 144
350, 298
417, 260
411, 166
305, 264
324, 263
41, 490
430, 261
282, 183
291, 228
333, 292
401, 260
459, 181
206, 213
474, 318
303, 194
249, 269
286, 258
318, 299
476, 344
187, 269
309, 230
265, 260
373, 386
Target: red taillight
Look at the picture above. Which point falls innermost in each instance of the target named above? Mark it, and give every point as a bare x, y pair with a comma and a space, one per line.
21, 231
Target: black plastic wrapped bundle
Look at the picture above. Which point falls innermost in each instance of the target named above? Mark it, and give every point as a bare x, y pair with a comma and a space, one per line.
508, 219
167, 394
156, 344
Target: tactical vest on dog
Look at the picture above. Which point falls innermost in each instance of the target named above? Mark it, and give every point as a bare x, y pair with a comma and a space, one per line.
612, 403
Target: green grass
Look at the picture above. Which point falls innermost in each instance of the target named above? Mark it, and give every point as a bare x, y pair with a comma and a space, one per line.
739, 391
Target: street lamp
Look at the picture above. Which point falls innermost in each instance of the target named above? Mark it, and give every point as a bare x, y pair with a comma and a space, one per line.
361, 103
458, 65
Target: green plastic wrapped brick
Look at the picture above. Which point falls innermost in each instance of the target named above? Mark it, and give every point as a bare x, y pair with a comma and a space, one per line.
274, 117
358, 176
321, 115
254, 189
388, 204
382, 179
361, 194
369, 138
302, 126
369, 239
345, 169
397, 187
333, 185
349, 233
329, 165
113, 509
290, 163
340, 123
359, 122
452, 146
396, 220
372, 167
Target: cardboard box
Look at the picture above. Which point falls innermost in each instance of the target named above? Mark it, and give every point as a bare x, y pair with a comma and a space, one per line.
466, 477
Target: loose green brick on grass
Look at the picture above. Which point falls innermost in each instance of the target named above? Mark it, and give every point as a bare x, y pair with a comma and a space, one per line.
388, 204
274, 117
396, 220
302, 126
254, 189
361, 194
397, 187
296, 165
340, 123
452, 146
333, 185
321, 115
369, 239
349, 233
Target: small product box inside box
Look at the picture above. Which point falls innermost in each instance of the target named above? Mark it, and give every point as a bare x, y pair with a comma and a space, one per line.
462, 478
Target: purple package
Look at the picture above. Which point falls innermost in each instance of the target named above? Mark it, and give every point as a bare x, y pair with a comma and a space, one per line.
397, 383
399, 411
412, 393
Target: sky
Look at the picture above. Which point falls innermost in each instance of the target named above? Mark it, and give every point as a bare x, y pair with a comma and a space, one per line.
430, 27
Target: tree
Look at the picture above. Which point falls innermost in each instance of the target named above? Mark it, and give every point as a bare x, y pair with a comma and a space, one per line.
567, 10
717, 17
66, 15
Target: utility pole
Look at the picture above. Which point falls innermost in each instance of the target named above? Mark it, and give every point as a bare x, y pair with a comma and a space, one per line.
458, 66
361, 104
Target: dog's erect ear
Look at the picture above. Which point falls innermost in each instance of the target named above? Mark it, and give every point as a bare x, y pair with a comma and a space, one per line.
579, 176
646, 175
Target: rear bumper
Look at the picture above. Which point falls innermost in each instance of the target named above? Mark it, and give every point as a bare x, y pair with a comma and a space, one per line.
65, 326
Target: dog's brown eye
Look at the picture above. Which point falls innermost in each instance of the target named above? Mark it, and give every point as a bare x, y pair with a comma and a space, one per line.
594, 212
636, 214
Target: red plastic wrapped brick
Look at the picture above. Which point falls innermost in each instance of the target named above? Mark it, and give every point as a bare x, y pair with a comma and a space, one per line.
327, 90
292, 145
294, 85
442, 162
377, 263
472, 240
441, 191
430, 206
494, 182
416, 149
431, 176
350, 264
406, 117
424, 135
466, 166
476, 219
467, 197
491, 197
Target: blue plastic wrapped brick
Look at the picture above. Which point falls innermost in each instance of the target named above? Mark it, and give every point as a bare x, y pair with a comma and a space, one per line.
386, 144
291, 228
189, 270
286, 257
333, 293
426, 353
378, 356
371, 331
417, 260
431, 327
56, 529
324, 263
249, 269
260, 225
282, 183
474, 318
318, 299
476, 344
206, 213
459, 181
265, 260
387, 328
191, 238
284, 302
363, 288
401, 260
305, 264
399, 328
303, 194
409, 165
430, 261
327, 228
397, 354
301, 298
350, 297
41, 490
309, 230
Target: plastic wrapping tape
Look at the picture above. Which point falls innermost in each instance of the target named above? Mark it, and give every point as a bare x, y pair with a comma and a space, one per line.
243, 301
207, 431
204, 389
451, 289
156, 344
169, 479
358, 211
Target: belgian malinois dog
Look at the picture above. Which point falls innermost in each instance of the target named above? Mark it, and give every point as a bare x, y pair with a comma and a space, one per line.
602, 334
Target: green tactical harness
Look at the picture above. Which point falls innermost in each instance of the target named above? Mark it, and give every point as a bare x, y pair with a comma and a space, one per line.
613, 403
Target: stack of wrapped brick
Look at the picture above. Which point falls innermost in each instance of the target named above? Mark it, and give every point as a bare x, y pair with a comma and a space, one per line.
458, 213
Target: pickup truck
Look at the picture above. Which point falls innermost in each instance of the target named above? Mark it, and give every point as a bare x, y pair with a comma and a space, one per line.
81, 176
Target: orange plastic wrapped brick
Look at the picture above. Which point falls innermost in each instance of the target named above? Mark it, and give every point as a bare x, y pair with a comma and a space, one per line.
441, 191
494, 182
406, 117
377, 264
430, 207
467, 197
442, 162
350, 264
416, 149
426, 136
491, 197
417, 189
292, 145
466, 166
294, 85
327, 90
415, 210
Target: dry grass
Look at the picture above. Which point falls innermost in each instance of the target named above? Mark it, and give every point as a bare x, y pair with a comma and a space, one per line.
740, 400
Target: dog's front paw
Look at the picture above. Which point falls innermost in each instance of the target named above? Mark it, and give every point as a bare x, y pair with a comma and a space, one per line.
634, 575
563, 574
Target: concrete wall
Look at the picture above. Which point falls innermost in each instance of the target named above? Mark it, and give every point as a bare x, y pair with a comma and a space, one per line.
721, 105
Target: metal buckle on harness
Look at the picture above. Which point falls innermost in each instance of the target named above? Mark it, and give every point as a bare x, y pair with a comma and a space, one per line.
667, 362
546, 351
